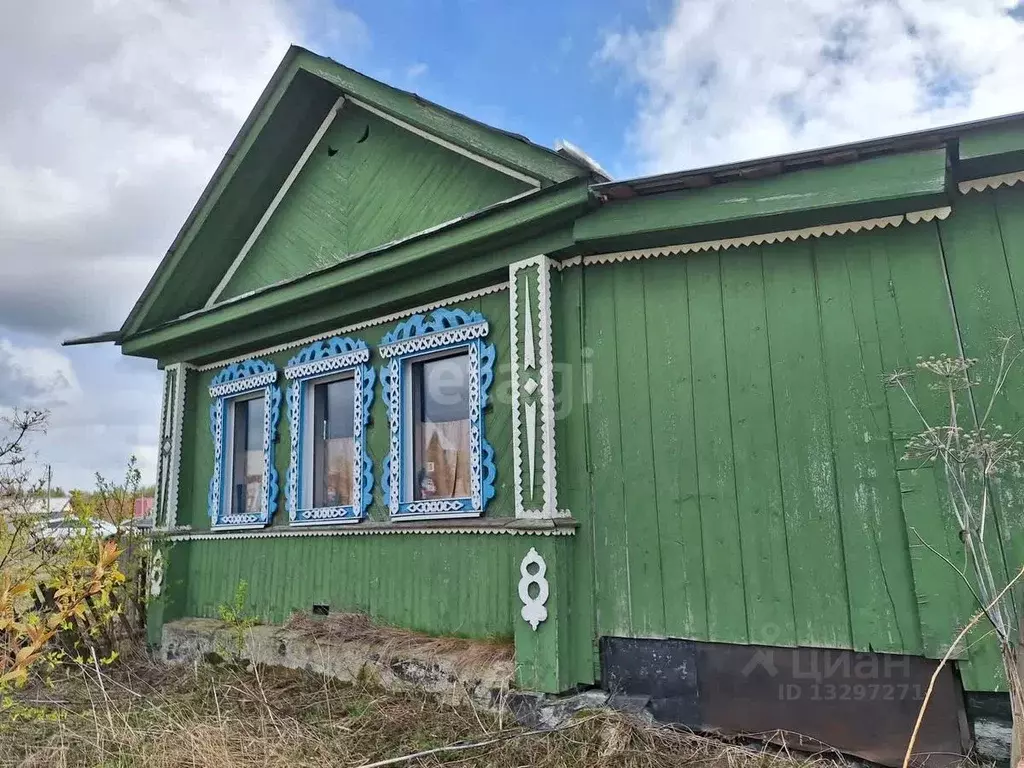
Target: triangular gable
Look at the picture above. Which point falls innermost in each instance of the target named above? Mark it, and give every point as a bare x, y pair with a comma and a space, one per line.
282, 126
366, 180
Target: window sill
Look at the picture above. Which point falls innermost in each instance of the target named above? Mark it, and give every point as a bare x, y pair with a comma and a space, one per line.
564, 526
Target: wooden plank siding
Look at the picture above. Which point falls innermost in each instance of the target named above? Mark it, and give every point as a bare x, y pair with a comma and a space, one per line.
879, 186
198, 463
725, 443
461, 584
452, 584
368, 182
745, 456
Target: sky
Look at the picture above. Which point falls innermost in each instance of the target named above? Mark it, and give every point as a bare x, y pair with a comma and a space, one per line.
116, 113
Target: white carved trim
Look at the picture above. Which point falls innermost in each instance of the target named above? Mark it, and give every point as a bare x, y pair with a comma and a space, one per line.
542, 361
533, 610
767, 238
547, 399
357, 530
990, 182
446, 144
529, 345
916, 217
347, 329
429, 341
177, 426
244, 384
164, 444
265, 218
531, 441
156, 574
327, 364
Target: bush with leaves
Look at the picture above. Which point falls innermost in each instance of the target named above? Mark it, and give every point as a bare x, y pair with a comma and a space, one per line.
57, 601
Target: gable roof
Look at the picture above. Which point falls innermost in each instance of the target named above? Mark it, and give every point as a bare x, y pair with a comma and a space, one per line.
604, 215
304, 88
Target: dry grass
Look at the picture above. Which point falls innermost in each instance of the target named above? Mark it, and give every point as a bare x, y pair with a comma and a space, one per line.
142, 714
468, 657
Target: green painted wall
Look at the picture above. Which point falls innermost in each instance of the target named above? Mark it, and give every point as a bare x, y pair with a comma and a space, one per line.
368, 182
726, 444
452, 584
197, 447
732, 460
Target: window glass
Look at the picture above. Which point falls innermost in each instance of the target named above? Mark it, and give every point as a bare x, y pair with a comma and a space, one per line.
440, 396
333, 442
247, 456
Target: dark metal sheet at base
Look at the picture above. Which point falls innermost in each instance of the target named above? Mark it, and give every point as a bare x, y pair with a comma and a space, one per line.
664, 670
864, 704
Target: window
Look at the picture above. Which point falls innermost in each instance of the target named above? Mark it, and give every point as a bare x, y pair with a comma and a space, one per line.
440, 427
246, 454
330, 474
243, 421
333, 443
435, 387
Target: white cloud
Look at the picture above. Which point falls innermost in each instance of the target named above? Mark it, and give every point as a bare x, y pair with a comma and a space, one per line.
36, 377
722, 80
416, 70
116, 113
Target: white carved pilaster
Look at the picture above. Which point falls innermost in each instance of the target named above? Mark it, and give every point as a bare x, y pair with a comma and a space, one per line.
172, 419
533, 390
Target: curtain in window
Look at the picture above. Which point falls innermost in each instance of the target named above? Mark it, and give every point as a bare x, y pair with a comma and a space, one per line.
445, 451
339, 454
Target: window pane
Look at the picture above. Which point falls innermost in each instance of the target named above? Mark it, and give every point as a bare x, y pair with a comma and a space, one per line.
441, 427
247, 461
333, 442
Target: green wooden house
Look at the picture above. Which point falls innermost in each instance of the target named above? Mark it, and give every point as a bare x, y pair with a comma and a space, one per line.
421, 368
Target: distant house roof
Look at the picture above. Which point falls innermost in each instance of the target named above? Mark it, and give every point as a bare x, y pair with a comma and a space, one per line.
55, 506
144, 507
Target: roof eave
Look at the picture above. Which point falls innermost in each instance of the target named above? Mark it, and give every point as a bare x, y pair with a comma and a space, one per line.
279, 74
774, 164
100, 338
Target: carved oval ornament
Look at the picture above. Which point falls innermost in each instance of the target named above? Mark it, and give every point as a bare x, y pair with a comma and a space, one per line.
156, 574
533, 610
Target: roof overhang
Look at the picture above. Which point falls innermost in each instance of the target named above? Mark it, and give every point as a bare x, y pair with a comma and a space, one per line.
881, 186
489, 145
473, 248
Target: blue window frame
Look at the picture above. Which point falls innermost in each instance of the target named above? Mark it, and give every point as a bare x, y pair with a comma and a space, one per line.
435, 386
330, 474
243, 421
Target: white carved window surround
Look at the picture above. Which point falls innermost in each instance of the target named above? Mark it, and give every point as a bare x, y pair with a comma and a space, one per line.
435, 384
330, 473
240, 497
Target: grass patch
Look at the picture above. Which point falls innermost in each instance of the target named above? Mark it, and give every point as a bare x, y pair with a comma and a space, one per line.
139, 713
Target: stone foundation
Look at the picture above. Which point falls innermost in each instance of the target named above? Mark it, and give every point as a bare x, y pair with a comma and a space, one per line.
210, 640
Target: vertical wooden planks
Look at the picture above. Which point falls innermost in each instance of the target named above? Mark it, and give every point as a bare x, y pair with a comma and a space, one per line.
612, 558
572, 361
982, 260
943, 601
676, 494
716, 480
986, 312
762, 526
817, 567
883, 605
647, 609
1010, 215
440, 583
